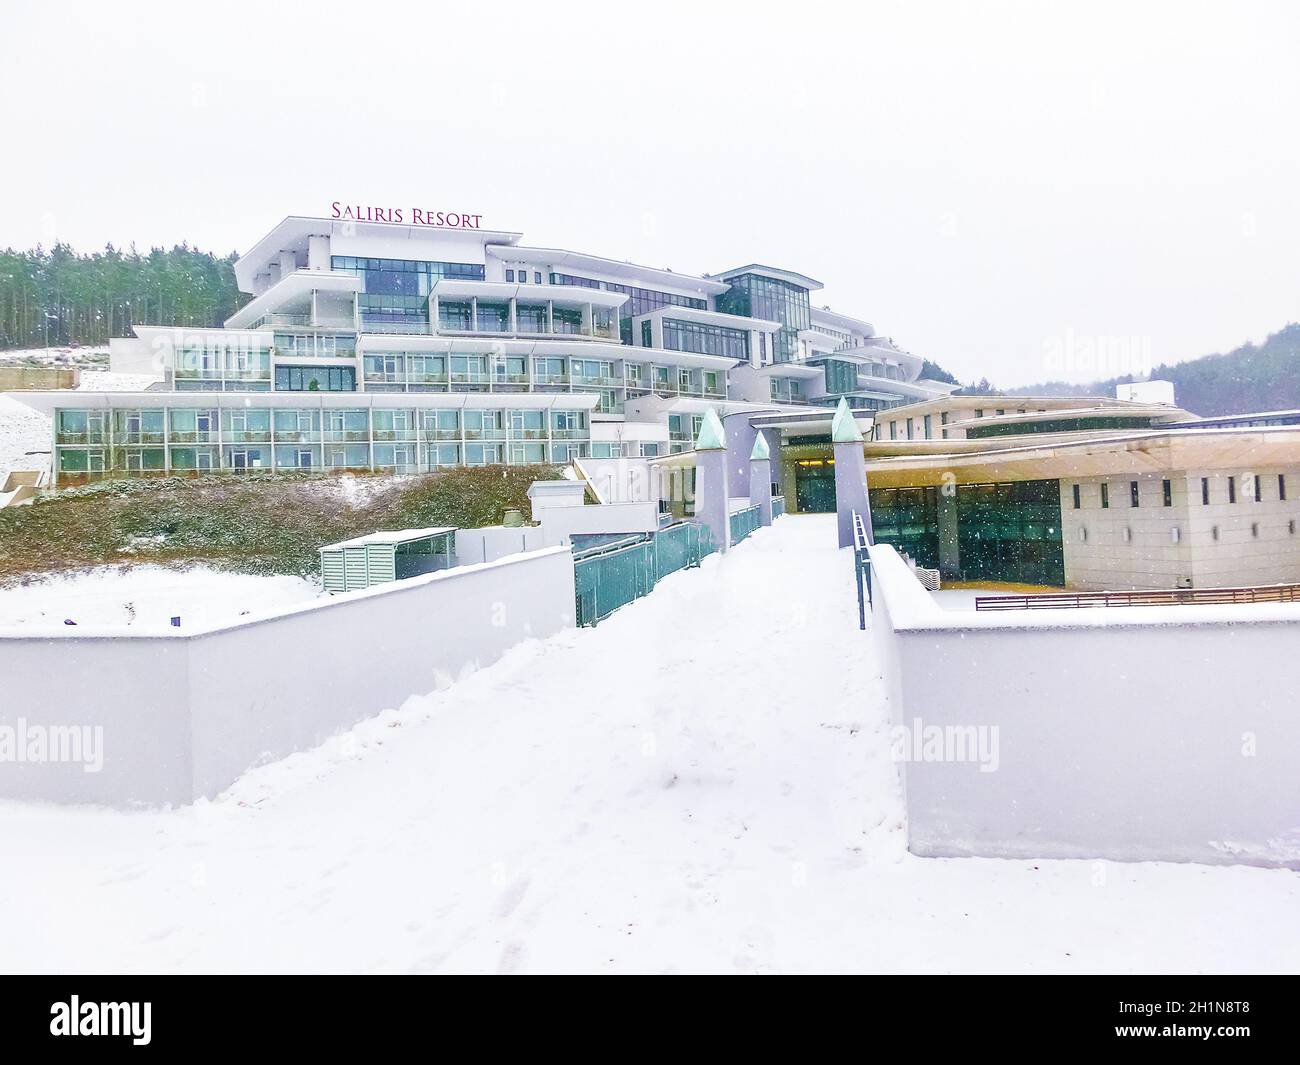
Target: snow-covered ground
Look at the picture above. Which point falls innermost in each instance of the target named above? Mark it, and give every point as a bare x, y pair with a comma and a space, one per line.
702, 783
146, 598
25, 437
25, 434
56, 356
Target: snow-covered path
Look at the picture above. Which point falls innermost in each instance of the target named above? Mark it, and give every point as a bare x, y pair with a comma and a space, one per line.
702, 783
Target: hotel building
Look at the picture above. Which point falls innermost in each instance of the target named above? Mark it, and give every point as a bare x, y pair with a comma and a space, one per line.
1084, 493
395, 347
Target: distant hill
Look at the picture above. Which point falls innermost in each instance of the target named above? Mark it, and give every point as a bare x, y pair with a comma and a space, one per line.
1253, 377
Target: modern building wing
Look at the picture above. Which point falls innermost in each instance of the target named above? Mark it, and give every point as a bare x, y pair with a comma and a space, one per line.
392, 341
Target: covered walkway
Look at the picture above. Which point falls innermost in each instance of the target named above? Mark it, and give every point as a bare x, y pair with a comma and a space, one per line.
702, 783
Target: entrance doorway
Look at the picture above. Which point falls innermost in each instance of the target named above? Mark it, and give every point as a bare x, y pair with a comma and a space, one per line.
814, 486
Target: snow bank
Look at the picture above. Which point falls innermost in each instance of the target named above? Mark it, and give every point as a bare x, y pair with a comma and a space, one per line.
700, 784
145, 598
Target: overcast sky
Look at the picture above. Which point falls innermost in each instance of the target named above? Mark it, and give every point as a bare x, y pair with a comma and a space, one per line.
998, 186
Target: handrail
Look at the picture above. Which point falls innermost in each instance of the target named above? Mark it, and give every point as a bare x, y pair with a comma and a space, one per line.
1272, 593
862, 567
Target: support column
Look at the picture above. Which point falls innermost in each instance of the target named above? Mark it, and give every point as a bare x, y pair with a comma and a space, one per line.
850, 475
760, 480
711, 509
949, 552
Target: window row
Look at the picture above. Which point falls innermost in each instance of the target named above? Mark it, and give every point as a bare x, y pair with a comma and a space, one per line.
401, 457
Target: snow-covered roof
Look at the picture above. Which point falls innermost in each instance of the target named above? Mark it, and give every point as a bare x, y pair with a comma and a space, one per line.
396, 536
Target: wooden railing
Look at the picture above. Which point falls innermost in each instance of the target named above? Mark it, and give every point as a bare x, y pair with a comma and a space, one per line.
1273, 593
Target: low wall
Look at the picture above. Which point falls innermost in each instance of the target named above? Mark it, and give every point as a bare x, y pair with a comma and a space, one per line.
496, 541
182, 716
1134, 733
560, 523
39, 378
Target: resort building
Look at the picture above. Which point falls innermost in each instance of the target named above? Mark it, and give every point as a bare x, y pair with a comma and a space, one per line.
403, 347
1081, 493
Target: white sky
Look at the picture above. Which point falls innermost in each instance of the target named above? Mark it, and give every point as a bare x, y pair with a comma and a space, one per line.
995, 185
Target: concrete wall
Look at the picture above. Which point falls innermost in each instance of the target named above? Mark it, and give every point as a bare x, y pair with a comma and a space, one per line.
560, 523
1188, 544
623, 480
496, 541
43, 378
183, 716
1141, 733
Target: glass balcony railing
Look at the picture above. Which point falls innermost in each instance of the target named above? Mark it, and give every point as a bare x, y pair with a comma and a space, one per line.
413, 326
193, 436
99, 438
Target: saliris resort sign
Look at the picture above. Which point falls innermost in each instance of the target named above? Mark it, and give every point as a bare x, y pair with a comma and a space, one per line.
410, 216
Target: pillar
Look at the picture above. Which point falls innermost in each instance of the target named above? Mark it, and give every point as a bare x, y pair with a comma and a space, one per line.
711, 509
949, 552
760, 480
850, 475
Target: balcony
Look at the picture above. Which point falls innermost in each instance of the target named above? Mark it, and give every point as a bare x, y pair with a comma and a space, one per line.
346, 436
246, 436
485, 434
97, 438
138, 437
415, 327
387, 435
280, 320
193, 436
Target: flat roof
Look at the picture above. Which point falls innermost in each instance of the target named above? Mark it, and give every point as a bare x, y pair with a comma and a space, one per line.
834, 318
792, 276
617, 268
70, 399
292, 232
397, 536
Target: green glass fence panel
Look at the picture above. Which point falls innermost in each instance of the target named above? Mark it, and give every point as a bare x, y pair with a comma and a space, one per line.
743, 522
614, 575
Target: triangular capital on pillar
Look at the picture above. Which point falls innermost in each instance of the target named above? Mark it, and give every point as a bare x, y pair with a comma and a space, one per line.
712, 436
844, 428
761, 451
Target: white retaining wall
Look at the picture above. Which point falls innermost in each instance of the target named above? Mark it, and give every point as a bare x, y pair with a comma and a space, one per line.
1129, 733
184, 715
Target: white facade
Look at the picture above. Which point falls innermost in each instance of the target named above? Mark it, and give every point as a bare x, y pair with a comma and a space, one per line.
628, 357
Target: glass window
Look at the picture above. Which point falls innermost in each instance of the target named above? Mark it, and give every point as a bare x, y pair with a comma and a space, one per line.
704, 339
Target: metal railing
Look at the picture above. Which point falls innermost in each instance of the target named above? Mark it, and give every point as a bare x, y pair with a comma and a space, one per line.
744, 522
862, 567
778, 506
1273, 593
612, 575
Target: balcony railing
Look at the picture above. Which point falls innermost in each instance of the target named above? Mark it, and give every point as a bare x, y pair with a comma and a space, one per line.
414, 327
304, 321
193, 436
